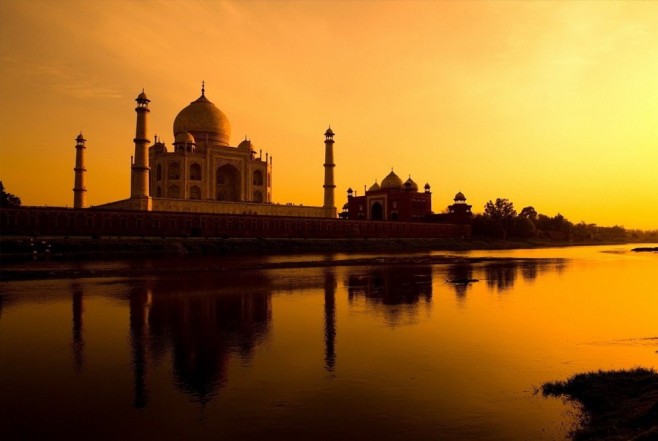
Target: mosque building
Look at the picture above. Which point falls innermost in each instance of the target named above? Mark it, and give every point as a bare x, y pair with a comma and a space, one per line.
390, 200
394, 200
201, 172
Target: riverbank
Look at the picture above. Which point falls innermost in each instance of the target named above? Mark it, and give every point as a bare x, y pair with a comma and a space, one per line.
616, 405
25, 248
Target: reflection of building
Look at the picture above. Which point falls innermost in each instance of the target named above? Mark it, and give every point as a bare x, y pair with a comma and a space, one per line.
202, 172
329, 319
393, 288
201, 329
392, 200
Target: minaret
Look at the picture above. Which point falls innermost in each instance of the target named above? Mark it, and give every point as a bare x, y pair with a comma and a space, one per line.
79, 190
140, 167
329, 165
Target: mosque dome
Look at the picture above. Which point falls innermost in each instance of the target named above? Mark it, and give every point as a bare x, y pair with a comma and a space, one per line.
391, 181
247, 145
375, 187
204, 121
460, 197
410, 185
184, 138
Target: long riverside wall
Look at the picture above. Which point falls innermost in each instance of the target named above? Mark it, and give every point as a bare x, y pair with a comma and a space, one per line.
51, 221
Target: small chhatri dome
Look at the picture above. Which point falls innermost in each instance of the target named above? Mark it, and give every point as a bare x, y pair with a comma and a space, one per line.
391, 181
375, 187
329, 133
460, 197
246, 145
410, 185
427, 186
80, 138
204, 121
184, 138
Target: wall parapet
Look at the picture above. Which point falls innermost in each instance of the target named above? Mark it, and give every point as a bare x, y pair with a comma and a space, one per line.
96, 222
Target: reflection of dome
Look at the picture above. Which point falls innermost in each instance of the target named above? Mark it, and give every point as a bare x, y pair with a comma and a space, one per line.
392, 181
184, 138
375, 187
202, 118
410, 185
460, 197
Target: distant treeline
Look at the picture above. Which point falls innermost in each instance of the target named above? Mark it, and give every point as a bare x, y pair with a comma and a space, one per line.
501, 221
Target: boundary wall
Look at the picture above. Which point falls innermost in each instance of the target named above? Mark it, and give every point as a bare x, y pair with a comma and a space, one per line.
96, 222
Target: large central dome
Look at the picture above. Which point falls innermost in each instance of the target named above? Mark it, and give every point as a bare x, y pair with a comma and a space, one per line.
204, 121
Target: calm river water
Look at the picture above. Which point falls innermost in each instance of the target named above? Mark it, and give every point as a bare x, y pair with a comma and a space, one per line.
327, 353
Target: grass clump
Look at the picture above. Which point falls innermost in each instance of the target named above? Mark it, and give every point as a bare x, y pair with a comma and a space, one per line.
616, 405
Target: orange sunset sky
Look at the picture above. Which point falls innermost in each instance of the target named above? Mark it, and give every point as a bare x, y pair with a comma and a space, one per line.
550, 104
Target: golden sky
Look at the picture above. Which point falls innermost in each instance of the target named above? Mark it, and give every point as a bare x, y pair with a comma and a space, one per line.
550, 104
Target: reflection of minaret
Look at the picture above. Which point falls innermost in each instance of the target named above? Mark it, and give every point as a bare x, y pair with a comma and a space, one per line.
329, 319
140, 299
78, 345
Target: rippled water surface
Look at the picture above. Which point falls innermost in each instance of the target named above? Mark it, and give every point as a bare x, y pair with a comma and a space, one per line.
335, 352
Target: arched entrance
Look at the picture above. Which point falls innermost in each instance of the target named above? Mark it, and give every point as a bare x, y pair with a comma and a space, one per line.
377, 211
228, 183
258, 196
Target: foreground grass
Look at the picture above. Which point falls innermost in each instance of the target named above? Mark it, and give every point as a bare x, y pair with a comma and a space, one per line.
616, 405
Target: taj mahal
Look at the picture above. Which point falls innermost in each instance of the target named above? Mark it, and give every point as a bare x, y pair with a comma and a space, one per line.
202, 172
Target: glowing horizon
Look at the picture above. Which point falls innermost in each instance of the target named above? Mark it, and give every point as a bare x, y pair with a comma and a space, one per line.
547, 104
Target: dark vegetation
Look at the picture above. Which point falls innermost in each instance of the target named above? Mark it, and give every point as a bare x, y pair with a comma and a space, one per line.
8, 199
501, 221
616, 405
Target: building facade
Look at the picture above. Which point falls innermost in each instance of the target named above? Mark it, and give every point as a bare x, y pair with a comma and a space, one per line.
391, 200
201, 172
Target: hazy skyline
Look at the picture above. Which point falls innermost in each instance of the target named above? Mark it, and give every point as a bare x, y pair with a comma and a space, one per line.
553, 105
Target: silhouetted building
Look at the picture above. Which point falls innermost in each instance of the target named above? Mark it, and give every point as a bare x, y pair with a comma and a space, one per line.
201, 172
392, 200
460, 211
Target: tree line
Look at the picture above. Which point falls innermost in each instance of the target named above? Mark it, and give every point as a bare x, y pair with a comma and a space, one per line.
501, 221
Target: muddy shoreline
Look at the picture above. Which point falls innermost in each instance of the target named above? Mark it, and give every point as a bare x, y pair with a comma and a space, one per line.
29, 272
67, 248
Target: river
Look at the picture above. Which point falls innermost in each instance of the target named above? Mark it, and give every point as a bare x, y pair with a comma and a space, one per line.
356, 352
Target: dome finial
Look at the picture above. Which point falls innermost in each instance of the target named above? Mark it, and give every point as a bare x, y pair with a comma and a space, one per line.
203, 88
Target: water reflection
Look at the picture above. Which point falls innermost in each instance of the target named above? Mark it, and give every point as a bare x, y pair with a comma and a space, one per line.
329, 319
200, 323
461, 277
500, 276
390, 288
78, 344
200, 329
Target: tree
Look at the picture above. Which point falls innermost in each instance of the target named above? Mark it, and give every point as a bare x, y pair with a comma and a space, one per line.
529, 212
501, 211
523, 228
8, 199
